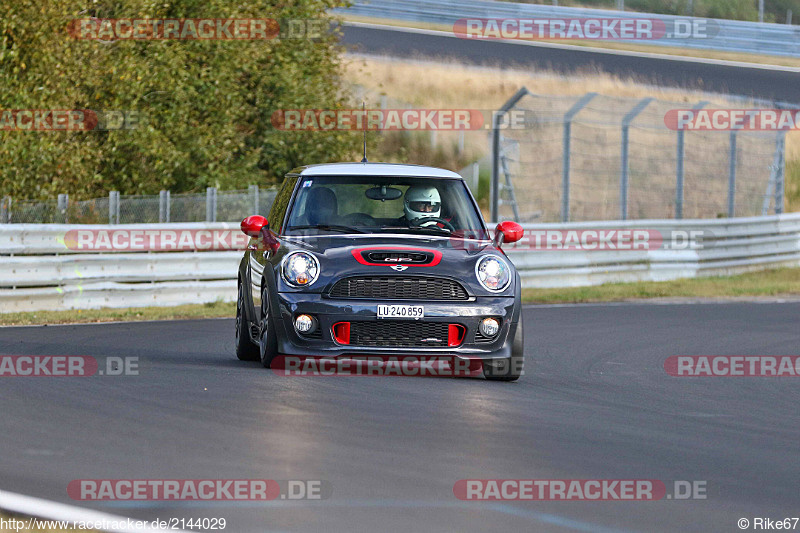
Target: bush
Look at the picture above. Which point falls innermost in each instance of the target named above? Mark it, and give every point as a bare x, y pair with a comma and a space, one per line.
205, 105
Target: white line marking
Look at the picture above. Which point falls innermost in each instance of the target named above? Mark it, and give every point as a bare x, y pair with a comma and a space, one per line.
28, 505
594, 50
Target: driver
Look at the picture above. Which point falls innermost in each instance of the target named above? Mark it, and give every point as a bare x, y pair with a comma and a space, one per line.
421, 203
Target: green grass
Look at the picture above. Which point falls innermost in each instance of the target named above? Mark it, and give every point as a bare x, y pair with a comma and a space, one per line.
209, 310
783, 282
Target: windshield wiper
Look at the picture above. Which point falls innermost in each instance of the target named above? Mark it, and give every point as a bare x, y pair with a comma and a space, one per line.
328, 227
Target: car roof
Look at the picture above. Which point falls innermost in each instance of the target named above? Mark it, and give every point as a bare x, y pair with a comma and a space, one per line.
374, 170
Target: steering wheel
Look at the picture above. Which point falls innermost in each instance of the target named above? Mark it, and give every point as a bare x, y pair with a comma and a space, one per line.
418, 222
359, 219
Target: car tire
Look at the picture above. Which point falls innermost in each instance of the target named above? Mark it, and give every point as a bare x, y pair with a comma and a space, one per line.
268, 341
509, 369
246, 349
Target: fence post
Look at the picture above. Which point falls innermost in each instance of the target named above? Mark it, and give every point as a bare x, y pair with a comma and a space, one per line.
5, 210
211, 204
624, 175
780, 185
494, 199
254, 193
62, 204
567, 152
163, 206
732, 177
680, 158
495, 185
113, 207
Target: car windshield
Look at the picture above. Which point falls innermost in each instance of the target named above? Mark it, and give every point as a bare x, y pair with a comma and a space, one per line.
362, 204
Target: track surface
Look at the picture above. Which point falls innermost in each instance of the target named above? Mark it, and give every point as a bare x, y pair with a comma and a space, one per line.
752, 82
595, 403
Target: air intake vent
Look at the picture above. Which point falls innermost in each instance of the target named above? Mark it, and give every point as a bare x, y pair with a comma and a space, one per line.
407, 334
399, 288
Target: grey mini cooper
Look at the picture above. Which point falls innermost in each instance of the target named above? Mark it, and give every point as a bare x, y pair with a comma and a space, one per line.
379, 259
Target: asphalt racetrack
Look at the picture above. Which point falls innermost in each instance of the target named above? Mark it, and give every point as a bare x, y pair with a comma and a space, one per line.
757, 82
595, 403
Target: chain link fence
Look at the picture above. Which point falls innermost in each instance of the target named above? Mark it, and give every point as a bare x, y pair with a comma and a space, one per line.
608, 158
213, 206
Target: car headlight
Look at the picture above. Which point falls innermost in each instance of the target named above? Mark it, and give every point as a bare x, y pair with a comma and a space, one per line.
300, 269
493, 273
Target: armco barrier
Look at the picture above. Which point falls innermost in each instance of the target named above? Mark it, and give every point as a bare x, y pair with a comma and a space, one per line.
729, 246
730, 35
38, 271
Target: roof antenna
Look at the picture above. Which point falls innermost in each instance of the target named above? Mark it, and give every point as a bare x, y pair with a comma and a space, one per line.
364, 108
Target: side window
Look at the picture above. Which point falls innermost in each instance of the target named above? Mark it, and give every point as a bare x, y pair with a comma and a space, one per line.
280, 204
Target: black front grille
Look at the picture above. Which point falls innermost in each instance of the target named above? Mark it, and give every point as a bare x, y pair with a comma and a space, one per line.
404, 334
399, 288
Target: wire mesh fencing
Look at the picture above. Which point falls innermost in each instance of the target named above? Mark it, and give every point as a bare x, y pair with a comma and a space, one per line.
213, 206
609, 158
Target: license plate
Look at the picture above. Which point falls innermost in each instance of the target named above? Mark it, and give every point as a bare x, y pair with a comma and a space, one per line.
401, 311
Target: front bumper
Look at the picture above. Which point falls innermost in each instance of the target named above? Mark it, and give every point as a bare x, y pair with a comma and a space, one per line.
329, 311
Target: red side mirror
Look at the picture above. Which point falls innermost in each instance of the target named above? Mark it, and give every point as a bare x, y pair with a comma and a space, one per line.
251, 226
511, 232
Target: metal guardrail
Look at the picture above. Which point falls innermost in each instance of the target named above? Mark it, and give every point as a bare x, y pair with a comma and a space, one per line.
729, 246
729, 35
37, 271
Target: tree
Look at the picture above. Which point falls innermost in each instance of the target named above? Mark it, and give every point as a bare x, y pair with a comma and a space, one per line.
204, 105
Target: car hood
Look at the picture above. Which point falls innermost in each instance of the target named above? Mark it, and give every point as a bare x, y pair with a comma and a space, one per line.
323, 243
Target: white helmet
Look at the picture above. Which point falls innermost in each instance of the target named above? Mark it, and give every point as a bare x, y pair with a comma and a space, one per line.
422, 202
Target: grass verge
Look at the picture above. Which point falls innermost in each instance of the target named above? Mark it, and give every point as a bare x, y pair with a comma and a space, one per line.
782, 282
86, 316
